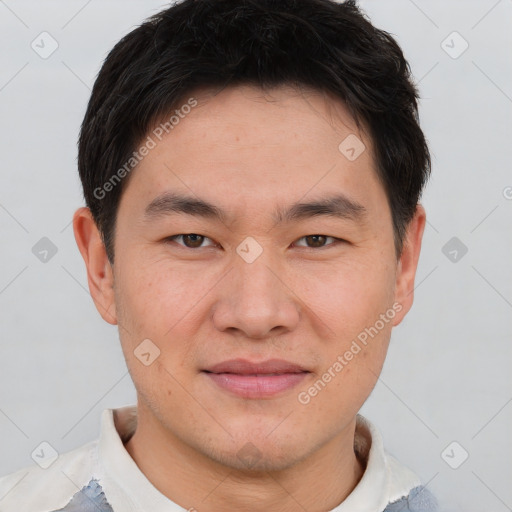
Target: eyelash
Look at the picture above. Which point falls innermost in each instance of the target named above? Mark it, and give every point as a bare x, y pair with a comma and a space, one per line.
336, 240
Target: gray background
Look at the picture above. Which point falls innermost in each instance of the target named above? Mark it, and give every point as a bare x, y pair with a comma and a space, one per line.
446, 376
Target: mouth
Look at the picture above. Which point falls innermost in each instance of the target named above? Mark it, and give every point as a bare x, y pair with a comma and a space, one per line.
256, 380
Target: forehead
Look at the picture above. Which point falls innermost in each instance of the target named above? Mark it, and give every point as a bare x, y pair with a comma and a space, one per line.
254, 114
253, 149
282, 120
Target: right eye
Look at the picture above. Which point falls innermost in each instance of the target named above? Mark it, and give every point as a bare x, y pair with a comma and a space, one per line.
190, 240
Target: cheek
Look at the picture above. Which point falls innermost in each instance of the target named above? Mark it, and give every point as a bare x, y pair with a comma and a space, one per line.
156, 298
156, 303
349, 296
167, 304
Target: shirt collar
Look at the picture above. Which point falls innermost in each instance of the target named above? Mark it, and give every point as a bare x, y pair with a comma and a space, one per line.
385, 480
124, 484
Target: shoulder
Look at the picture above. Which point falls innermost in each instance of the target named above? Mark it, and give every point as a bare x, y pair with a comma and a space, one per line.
34, 489
419, 499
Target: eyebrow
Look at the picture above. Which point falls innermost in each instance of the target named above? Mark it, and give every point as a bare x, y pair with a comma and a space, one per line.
338, 206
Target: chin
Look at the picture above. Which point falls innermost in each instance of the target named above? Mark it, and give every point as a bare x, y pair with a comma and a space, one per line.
252, 460
255, 452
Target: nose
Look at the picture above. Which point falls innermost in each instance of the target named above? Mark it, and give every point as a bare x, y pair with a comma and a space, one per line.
257, 300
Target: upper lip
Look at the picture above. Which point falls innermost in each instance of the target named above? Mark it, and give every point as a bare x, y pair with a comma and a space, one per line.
245, 367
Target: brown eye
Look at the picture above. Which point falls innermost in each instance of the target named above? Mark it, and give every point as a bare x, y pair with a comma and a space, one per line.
190, 240
316, 240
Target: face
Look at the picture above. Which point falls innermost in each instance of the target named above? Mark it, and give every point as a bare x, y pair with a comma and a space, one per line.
253, 253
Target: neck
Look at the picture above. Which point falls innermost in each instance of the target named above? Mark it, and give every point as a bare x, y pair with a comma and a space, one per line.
320, 482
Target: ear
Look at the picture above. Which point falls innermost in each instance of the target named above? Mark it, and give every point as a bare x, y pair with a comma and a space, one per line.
406, 271
100, 274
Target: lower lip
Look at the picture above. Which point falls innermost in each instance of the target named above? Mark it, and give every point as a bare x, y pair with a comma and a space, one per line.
256, 386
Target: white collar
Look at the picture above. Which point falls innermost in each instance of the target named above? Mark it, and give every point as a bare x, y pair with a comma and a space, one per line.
385, 480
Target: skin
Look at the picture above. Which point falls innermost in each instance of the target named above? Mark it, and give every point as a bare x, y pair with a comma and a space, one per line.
249, 151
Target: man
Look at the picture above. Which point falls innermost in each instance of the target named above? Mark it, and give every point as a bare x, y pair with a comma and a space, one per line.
252, 172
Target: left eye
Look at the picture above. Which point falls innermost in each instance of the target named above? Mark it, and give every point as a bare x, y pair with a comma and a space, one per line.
318, 240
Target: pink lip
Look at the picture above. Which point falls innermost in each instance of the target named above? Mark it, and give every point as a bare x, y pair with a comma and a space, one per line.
256, 380
245, 367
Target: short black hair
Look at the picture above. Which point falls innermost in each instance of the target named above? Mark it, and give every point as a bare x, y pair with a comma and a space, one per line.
322, 44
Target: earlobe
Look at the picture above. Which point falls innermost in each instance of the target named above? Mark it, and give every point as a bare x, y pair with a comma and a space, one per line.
99, 271
408, 263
